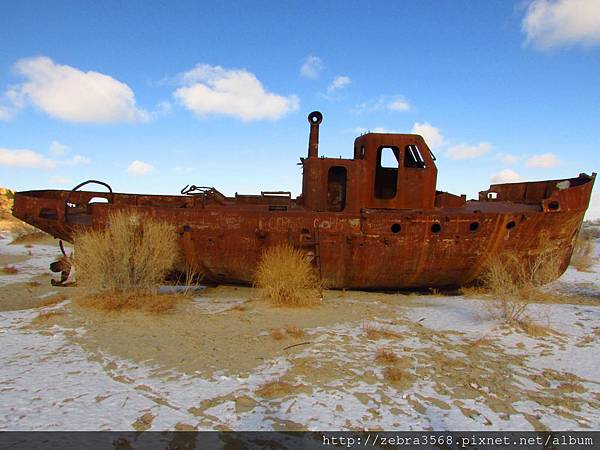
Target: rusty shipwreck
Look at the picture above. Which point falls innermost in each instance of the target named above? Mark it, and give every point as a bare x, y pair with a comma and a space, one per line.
375, 221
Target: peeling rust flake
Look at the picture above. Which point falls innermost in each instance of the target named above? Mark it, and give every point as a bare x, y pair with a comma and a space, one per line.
374, 221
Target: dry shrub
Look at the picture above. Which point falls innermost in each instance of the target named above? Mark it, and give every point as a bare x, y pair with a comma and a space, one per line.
190, 279
121, 301
395, 374
10, 270
287, 278
374, 331
582, 258
132, 254
513, 281
385, 355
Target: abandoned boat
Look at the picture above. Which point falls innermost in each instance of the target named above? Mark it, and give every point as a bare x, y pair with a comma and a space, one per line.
366, 222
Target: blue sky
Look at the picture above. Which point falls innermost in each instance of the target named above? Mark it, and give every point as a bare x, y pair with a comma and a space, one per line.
151, 96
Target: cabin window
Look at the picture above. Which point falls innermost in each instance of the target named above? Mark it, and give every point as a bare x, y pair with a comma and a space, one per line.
386, 172
98, 200
413, 157
336, 188
359, 152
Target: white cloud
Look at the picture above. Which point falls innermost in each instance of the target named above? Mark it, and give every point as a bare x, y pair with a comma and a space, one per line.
163, 108
70, 94
138, 167
339, 82
431, 134
74, 161
58, 149
552, 23
506, 176
25, 158
312, 67
463, 151
507, 158
237, 93
60, 180
398, 104
543, 161
5, 113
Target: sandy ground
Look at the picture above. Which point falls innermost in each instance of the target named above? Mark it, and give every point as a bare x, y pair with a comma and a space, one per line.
223, 360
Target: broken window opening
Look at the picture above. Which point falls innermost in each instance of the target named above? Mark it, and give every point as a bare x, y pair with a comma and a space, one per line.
336, 188
386, 172
413, 158
361, 154
98, 200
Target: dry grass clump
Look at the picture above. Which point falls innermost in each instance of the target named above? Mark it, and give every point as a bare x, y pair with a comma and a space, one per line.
123, 265
395, 375
534, 329
385, 355
513, 281
10, 270
582, 258
374, 331
569, 388
287, 278
132, 254
122, 301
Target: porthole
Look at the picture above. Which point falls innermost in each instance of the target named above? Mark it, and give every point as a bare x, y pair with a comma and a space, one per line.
436, 228
510, 225
396, 228
474, 226
554, 205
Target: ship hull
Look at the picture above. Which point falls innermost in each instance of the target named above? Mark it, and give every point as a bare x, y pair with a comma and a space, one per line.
372, 249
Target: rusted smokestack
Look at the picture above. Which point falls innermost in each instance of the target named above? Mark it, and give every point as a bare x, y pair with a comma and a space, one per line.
314, 118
